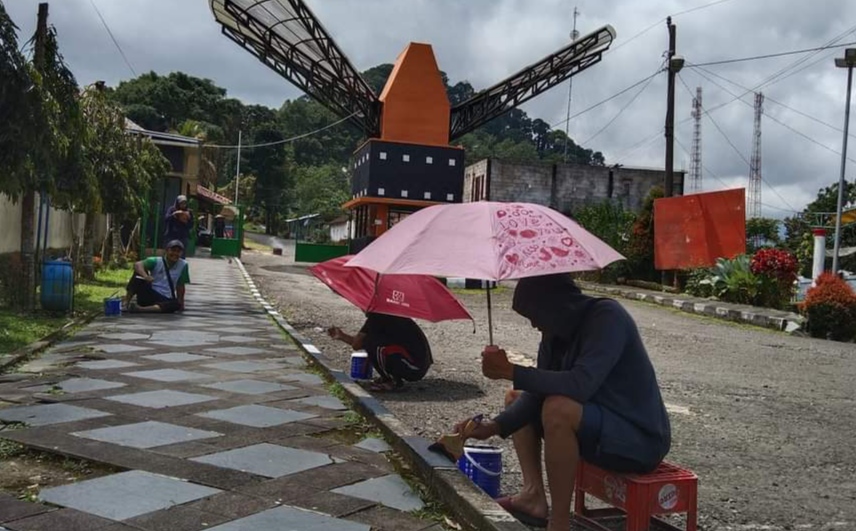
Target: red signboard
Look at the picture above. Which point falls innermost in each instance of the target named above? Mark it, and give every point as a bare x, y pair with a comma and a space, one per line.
201, 191
694, 230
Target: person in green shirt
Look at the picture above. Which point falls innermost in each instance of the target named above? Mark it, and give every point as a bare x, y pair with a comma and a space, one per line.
159, 282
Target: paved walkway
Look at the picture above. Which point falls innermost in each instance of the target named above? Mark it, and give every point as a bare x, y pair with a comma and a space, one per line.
213, 415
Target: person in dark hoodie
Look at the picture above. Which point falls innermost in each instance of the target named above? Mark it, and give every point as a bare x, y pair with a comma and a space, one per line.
593, 395
178, 222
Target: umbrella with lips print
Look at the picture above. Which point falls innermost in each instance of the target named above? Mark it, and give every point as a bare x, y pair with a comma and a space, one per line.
486, 240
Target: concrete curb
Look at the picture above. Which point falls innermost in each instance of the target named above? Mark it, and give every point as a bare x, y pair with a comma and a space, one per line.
471, 506
45, 342
780, 321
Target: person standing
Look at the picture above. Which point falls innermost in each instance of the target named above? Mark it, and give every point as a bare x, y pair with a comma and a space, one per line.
178, 222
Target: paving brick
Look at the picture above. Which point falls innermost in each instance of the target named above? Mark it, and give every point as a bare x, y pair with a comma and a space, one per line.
391, 491
13, 509
43, 415
232, 505
282, 518
62, 519
179, 518
257, 416
146, 434
266, 460
385, 519
125, 495
331, 503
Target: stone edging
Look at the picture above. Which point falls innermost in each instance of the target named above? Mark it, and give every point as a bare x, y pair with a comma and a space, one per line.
469, 503
771, 319
45, 342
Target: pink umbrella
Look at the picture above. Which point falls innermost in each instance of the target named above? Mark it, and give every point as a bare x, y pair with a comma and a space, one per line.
486, 240
416, 296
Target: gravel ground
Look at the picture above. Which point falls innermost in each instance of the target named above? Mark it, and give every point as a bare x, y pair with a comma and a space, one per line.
764, 419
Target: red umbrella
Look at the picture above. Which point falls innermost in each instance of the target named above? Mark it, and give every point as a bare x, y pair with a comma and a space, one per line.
416, 296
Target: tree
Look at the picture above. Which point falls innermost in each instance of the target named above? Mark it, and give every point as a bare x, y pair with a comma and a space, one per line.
123, 166
798, 228
40, 120
640, 247
762, 232
270, 164
321, 190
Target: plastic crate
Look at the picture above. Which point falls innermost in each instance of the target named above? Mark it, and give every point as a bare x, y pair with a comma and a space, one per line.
640, 497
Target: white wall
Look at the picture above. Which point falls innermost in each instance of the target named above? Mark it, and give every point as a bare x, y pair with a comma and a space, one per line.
61, 225
339, 231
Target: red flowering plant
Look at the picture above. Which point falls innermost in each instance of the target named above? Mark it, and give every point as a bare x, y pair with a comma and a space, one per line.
777, 269
831, 308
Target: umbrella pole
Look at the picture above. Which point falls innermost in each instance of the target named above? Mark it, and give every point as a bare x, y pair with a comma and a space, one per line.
489, 316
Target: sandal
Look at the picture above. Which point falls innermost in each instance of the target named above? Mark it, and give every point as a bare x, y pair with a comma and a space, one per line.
385, 386
525, 518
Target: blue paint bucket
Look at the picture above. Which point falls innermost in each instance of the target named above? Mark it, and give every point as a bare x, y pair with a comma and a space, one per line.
483, 465
112, 307
361, 369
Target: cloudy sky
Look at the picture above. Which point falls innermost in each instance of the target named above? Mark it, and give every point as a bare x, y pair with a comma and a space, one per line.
483, 41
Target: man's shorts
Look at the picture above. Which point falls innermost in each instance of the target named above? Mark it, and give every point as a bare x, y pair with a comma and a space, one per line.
589, 438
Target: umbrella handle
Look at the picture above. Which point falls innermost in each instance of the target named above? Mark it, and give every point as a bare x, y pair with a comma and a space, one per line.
489, 316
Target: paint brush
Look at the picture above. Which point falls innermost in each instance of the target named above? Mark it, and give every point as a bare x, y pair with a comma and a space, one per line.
451, 445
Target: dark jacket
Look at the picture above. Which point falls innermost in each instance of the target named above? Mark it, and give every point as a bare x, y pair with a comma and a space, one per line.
174, 229
591, 352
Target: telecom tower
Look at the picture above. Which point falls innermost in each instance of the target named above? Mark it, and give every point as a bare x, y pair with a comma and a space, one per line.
574, 36
695, 155
754, 198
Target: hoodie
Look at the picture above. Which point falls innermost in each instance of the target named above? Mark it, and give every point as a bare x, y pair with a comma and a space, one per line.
175, 229
591, 352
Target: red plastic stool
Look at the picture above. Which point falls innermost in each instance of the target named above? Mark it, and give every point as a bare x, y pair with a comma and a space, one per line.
667, 490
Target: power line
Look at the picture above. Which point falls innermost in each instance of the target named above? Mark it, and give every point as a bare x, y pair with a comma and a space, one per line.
769, 99
284, 141
730, 143
776, 120
598, 104
660, 21
769, 56
715, 176
115, 42
620, 111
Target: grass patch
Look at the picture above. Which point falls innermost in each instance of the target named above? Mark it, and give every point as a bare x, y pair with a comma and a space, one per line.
19, 329
466, 291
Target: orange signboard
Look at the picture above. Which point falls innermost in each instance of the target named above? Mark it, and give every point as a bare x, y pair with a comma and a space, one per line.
694, 230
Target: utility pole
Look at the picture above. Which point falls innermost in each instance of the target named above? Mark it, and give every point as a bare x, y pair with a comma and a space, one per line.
674, 66
848, 62
574, 36
238, 170
28, 203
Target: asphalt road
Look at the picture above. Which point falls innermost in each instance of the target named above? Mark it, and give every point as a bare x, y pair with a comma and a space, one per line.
766, 420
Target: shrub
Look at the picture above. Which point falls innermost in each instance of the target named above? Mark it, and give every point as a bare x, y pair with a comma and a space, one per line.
830, 307
776, 270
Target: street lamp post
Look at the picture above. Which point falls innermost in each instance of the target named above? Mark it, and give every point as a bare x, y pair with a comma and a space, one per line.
848, 62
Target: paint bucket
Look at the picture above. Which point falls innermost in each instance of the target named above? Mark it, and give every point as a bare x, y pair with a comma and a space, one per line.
483, 465
112, 307
361, 369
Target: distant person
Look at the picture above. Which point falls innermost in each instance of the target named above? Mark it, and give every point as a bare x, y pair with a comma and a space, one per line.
593, 396
159, 282
397, 349
178, 222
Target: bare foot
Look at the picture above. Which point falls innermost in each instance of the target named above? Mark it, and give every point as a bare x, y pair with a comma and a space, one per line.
529, 503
